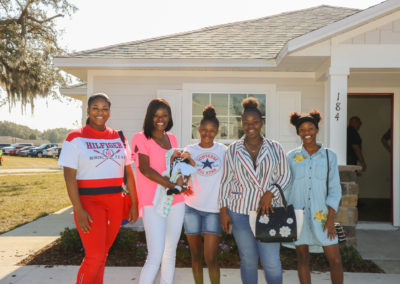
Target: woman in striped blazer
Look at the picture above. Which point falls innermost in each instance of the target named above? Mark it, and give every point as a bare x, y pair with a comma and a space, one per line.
253, 165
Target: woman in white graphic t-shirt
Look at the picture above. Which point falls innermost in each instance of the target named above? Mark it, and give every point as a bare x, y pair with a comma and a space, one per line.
201, 210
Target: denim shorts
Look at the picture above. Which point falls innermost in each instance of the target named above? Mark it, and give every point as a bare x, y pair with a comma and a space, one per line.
197, 222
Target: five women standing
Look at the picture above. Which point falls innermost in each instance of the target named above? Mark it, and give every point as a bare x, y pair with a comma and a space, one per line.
234, 181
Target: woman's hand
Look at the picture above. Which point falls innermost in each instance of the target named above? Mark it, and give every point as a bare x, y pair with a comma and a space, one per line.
133, 214
167, 183
265, 205
330, 226
226, 220
150, 173
83, 218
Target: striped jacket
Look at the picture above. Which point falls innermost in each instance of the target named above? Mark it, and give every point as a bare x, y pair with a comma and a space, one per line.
242, 186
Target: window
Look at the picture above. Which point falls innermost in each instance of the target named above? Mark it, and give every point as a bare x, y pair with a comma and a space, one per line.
228, 107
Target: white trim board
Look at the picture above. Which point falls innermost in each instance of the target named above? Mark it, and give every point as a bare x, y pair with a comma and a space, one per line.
161, 63
205, 74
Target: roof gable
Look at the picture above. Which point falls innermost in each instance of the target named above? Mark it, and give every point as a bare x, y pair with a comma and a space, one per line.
343, 25
253, 39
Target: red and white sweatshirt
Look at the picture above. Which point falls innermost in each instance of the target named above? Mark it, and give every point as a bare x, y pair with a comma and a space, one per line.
99, 158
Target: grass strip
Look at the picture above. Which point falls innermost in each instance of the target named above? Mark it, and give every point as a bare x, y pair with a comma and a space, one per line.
15, 162
24, 198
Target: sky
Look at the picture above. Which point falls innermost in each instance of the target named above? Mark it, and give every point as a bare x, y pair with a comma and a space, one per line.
99, 23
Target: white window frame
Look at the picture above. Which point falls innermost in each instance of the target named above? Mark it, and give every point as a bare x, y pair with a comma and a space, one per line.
189, 89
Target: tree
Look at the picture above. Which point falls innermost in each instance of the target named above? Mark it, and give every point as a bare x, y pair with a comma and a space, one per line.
16, 130
28, 42
55, 135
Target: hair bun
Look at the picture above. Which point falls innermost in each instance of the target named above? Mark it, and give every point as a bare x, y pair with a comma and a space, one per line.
316, 114
250, 103
294, 118
209, 112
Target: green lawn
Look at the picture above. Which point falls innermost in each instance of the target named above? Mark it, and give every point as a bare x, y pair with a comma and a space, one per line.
24, 198
15, 162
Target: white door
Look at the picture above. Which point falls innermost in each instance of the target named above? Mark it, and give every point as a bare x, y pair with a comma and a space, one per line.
174, 98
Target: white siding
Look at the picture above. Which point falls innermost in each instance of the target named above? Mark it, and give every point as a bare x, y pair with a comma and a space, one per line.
130, 95
388, 33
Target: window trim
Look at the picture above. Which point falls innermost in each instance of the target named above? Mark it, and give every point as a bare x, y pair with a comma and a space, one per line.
191, 88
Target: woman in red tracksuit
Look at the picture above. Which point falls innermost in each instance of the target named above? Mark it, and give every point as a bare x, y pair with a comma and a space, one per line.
94, 158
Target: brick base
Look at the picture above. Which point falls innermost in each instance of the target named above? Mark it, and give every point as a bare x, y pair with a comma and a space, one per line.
347, 213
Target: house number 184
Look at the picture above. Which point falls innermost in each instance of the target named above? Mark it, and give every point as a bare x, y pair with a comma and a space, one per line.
337, 106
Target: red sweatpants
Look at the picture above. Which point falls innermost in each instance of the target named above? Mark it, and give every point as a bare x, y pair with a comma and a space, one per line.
106, 213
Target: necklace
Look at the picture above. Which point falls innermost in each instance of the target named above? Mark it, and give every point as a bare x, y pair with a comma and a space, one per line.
248, 148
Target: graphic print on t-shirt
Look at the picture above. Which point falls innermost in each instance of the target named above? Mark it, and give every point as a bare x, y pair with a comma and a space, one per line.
106, 152
207, 164
99, 157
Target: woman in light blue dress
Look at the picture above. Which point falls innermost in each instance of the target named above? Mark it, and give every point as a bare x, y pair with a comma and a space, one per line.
308, 191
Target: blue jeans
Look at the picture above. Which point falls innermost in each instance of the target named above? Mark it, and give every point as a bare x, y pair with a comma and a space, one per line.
197, 222
250, 250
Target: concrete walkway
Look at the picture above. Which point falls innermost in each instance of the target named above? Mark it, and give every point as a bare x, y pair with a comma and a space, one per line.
380, 243
25, 240
130, 275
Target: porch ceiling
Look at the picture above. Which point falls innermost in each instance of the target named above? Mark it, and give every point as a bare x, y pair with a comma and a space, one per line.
374, 78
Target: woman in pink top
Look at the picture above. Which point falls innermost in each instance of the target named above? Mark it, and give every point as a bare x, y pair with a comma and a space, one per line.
162, 233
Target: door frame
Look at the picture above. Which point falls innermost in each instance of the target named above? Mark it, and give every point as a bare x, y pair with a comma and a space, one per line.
391, 144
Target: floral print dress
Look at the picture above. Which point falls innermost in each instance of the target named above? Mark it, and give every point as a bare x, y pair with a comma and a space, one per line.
308, 191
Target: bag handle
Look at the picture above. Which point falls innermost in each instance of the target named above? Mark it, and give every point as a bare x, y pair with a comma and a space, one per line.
282, 195
122, 137
327, 175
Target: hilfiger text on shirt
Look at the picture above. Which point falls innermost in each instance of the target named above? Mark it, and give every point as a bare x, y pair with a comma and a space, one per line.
95, 145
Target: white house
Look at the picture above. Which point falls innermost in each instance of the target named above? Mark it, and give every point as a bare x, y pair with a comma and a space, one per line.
341, 61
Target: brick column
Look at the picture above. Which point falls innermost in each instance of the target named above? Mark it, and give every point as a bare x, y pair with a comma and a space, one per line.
347, 214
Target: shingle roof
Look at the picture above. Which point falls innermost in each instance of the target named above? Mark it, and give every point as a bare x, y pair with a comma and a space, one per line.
253, 39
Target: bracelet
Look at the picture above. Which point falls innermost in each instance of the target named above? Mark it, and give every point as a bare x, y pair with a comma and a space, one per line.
178, 187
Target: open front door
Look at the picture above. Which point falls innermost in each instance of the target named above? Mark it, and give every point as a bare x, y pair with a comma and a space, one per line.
376, 183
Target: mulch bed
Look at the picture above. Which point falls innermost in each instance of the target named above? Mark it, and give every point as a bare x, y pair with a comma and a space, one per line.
134, 255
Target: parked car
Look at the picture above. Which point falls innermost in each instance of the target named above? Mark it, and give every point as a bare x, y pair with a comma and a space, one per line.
10, 150
23, 152
2, 145
38, 151
52, 152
